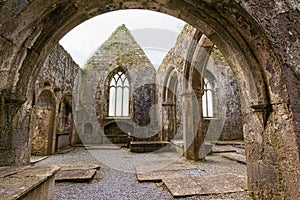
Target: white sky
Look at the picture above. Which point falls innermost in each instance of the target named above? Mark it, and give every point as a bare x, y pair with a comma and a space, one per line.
155, 32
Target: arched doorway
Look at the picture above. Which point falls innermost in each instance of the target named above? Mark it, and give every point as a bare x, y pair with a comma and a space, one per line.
43, 132
266, 74
65, 134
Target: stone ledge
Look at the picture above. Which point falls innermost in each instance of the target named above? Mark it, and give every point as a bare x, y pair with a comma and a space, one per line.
146, 146
19, 183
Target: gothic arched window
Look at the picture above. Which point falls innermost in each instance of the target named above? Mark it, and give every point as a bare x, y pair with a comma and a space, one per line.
119, 95
207, 99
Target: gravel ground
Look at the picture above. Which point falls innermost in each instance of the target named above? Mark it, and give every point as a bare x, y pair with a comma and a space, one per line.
115, 178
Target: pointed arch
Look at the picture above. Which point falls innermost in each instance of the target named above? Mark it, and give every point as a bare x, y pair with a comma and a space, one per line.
118, 98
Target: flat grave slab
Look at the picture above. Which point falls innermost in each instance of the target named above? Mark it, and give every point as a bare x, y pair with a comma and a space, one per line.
76, 175
163, 166
77, 172
205, 185
69, 167
35, 159
155, 176
220, 183
230, 143
241, 158
181, 186
223, 148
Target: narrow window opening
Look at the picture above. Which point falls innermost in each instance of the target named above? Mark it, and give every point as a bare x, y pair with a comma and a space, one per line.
119, 96
207, 99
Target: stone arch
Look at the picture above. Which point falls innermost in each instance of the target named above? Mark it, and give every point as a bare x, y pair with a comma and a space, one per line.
165, 82
107, 86
65, 135
215, 95
171, 119
43, 139
265, 72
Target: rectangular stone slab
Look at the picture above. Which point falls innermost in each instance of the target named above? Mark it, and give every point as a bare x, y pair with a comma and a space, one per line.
217, 184
35, 159
17, 184
223, 149
181, 186
235, 156
102, 147
78, 166
230, 143
238, 180
77, 175
205, 185
163, 166
154, 176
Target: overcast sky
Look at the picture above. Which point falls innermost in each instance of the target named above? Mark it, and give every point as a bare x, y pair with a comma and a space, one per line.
155, 32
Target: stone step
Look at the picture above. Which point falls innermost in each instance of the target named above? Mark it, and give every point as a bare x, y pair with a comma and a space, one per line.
146, 146
102, 147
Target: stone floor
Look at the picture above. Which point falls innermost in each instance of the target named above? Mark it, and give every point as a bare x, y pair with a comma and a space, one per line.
127, 175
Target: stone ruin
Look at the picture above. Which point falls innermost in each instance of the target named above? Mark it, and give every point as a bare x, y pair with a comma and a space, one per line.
263, 56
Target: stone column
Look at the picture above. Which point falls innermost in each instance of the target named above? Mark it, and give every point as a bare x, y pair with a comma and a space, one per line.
191, 135
14, 135
168, 121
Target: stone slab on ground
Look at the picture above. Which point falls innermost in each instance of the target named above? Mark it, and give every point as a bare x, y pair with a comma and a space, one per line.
181, 186
155, 176
205, 185
223, 148
239, 180
68, 167
21, 181
220, 183
35, 159
77, 175
102, 147
8, 170
163, 165
241, 158
76, 172
145, 171
230, 143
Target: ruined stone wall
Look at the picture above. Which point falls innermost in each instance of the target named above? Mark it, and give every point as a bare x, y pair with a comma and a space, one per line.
260, 38
52, 127
226, 97
226, 93
119, 52
174, 61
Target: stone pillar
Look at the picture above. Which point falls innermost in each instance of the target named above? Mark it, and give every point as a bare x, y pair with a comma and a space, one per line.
168, 121
14, 131
192, 137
